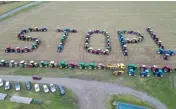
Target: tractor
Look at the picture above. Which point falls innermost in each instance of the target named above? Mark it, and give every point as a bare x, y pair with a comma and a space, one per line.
125, 52
74, 30
121, 66
28, 38
143, 67
166, 56
37, 41
118, 72
31, 64
23, 64
12, 63
43, 64
82, 65
158, 73
67, 30
132, 69
44, 29
72, 65
154, 68
4, 63
101, 66
9, 50
60, 47
112, 66
52, 64
34, 46
92, 65
17, 50
63, 64
26, 49
90, 49
161, 51
167, 68
145, 73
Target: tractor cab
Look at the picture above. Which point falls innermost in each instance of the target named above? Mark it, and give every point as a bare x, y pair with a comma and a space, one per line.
160, 51
11, 63
63, 64
28, 38
143, 67
92, 65
166, 56
31, 64
145, 73
132, 66
17, 49
101, 66
72, 65
167, 68
34, 46
52, 64
22, 64
121, 66
38, 42
90, 49
131, 72
60, 47
42, 64
83, 65
159, 73
74, 30
3, 63
67, 29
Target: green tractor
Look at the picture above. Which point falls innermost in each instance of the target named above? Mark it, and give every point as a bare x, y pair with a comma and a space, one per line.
23, 64
132, 70
63, 64
83, 65
44, 64
4, 63
92, 65
34, 46
52, 64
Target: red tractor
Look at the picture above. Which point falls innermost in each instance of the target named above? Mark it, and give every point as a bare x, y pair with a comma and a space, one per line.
72, 65
17, 50
97, 31
9, 50
26, 49
143, 67
167, 68
153, 68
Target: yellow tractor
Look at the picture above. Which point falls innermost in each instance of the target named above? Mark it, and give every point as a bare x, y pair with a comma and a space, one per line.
118, 66
121, 66
118, 72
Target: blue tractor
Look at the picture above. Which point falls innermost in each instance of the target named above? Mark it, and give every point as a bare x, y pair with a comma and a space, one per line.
145, 73
161, 51
171, 52
67, 30
158, 73
60, 47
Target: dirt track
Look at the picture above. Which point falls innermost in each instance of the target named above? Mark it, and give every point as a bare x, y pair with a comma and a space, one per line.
91, 94
85, 16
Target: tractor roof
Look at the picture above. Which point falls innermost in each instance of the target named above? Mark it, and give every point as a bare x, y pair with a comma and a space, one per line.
52, 62
131, 65
22, 61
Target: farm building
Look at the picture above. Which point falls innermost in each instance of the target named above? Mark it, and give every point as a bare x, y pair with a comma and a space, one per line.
19, 99
2, 96
121, 105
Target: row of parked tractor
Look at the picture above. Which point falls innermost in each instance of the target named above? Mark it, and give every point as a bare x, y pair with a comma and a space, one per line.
98, 51
118, 69
161, 49
124, 41
22, 36
63, 39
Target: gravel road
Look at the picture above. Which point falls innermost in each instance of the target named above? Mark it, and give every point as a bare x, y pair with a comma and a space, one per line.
91, 94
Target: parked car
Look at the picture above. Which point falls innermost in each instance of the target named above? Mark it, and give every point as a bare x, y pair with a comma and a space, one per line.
37, 88
61, 89
1, 82
28, 85
17, 86
45, 88
36, 77
7, 85
52, 88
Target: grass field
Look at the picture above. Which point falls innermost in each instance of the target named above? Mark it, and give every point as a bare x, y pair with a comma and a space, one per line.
109, 16
50, 100
10, 6
160, 88
126, 99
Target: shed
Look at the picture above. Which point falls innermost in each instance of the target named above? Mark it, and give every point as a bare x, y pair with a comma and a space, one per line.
2, 96
19, 99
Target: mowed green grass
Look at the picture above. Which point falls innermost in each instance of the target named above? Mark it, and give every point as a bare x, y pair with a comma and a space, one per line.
163, 89
126, 99
50, 100
10, 6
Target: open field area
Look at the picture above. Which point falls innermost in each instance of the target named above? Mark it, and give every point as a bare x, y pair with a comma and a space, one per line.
84, 16
50, 100
8, 6
87, 16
